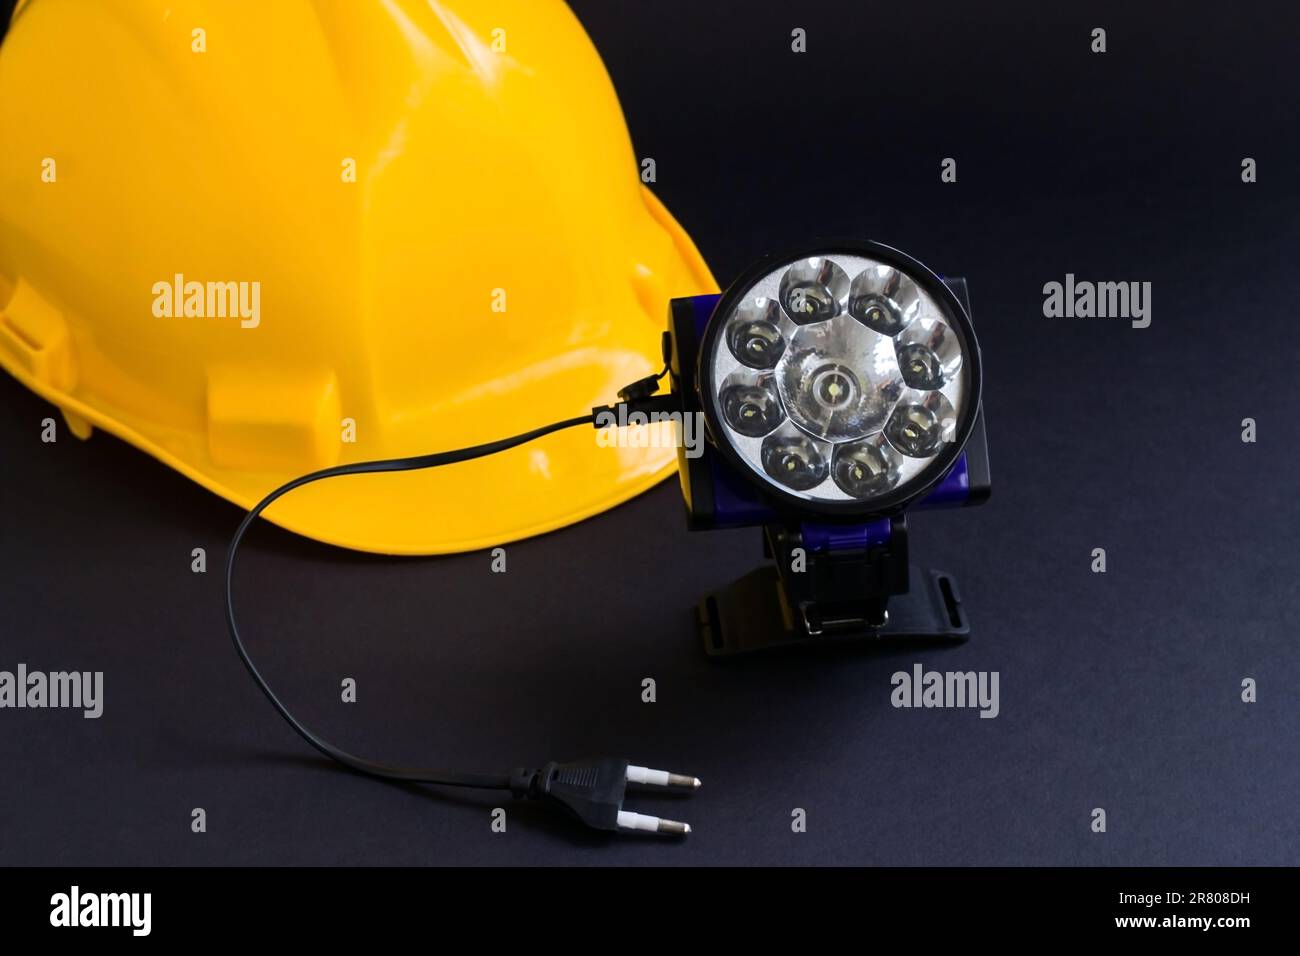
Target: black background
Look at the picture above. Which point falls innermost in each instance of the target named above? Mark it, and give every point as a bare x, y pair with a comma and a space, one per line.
1118, 690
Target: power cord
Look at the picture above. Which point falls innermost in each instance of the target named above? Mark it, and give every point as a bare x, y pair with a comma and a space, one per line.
591, 790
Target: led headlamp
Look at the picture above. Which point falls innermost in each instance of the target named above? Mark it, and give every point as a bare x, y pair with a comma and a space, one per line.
839, 386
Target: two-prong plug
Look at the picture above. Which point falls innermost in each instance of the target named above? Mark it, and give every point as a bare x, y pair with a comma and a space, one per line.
593, 791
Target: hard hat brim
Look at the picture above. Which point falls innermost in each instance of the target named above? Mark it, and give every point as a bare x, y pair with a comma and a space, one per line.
539, 487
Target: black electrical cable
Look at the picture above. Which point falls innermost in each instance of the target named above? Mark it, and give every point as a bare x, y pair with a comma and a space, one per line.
449, 778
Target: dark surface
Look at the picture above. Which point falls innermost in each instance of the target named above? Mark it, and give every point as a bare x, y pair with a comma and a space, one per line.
1118, 690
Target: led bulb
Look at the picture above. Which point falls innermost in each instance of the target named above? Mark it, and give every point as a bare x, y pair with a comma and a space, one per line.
754, 334
920, 366
865, 469
751, 406
794, 459
920, 423
839, 380
811, 290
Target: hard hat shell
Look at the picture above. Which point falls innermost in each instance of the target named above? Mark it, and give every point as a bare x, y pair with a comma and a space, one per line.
256, 239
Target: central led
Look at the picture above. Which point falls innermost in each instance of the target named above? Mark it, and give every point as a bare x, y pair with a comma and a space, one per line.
838, 379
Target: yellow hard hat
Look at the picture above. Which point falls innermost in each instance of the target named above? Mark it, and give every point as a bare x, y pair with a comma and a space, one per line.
257, 239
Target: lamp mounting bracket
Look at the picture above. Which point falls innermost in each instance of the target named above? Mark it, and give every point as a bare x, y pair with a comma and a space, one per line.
832, 585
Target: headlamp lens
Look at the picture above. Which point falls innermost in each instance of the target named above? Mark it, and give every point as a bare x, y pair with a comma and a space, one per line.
839, 377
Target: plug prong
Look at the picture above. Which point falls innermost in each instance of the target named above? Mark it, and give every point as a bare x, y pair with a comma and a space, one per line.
661, 778
627, 820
